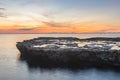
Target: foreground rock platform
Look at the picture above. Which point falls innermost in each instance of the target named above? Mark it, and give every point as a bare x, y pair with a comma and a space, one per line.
71, 52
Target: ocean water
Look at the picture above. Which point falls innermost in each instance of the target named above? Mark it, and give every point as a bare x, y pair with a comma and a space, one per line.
12, 68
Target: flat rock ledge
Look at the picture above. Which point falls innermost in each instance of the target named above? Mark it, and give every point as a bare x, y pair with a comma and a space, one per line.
71, 52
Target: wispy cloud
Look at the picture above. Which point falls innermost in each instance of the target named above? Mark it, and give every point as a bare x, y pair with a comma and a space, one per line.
28, 29
2, 12
56, 24
2, 9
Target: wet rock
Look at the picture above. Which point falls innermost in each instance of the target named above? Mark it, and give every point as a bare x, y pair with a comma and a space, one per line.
65, 52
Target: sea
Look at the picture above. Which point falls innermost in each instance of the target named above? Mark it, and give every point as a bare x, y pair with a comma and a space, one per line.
13, 68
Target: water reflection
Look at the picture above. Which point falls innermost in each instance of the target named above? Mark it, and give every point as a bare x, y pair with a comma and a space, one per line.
32, 66
44, 73
12, 67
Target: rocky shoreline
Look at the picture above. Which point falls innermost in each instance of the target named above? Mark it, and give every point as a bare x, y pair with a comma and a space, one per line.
71, 52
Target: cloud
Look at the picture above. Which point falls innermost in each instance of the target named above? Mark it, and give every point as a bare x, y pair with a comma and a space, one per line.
2, 9
49, 14
28, 29
56, 24
2, 12
40, 3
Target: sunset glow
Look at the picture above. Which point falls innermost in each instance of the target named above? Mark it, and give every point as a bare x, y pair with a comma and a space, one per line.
59, 16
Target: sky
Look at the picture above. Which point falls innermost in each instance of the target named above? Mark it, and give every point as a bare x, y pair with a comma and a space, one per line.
59, 16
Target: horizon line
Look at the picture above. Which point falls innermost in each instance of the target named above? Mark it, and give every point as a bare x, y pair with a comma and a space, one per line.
65, 33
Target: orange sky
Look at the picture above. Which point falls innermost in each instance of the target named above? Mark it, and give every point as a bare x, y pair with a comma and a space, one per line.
65, 16
59, 28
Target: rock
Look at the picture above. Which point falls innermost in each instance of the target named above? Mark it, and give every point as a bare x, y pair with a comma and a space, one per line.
64, 52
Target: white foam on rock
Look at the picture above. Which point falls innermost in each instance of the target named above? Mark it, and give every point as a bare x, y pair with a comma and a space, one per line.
115, 48
100, 45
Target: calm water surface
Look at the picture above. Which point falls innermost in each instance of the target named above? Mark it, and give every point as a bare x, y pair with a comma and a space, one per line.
11, 68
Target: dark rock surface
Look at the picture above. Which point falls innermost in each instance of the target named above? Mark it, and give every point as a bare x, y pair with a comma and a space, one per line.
63, 52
